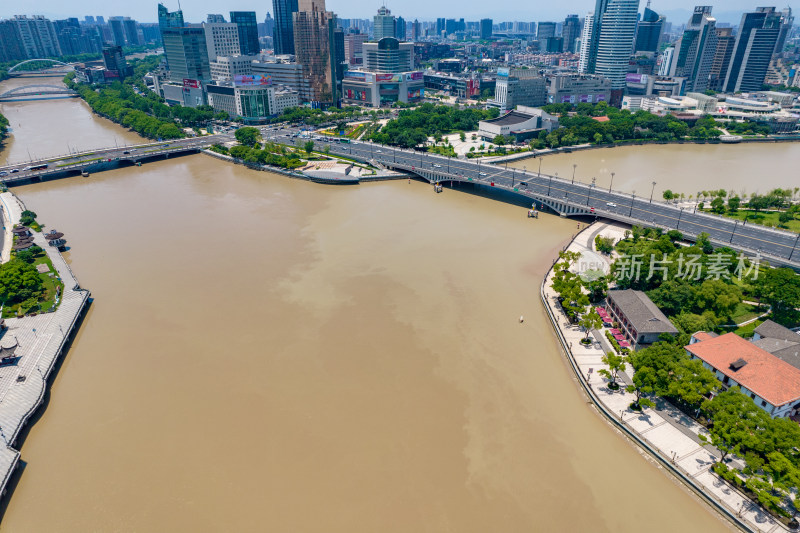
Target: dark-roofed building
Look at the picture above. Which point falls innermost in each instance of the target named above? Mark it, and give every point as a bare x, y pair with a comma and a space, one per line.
781, 342
772, 383
521, 123
640, 320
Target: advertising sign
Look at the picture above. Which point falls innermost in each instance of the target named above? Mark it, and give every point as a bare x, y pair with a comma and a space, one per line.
636, 78
356, 75
568, 99
253, 79
394, 78
503, 72
190, 83
413, 76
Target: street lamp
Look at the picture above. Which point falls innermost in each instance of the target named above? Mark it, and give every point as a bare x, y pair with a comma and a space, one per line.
513, 176
574, 167
612, 182
549, 184
589, 194
679, 220
633, 195
794, 247
540, 167
653, 191
735, 224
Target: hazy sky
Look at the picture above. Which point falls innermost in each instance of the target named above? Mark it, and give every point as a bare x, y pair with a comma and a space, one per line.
537, 10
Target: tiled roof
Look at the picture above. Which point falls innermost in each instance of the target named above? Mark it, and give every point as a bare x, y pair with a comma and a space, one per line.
641, 312
772, 330
775, 380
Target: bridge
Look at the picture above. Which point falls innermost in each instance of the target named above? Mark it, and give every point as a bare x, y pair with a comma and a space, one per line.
40, 72
102, 159
569, 198
31, 91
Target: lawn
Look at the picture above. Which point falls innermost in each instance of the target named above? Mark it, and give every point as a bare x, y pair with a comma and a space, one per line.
51, 286
769, 218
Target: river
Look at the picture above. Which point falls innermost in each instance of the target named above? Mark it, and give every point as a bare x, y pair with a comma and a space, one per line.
265, 354
682, 168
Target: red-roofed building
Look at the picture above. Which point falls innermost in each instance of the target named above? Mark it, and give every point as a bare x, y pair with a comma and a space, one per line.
601, 119
773, 384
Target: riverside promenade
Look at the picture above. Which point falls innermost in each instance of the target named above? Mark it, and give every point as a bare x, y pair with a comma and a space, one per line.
664, 433
39, 341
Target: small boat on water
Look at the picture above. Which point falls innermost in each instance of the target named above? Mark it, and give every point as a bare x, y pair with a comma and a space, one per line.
85, 173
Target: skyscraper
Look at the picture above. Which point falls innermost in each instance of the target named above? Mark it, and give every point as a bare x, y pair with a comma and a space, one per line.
10, 42
648, 34
695, 52
545, 31
570, 31
166, 19
400, 28
248, 32
486, 29
312, 48
186, 53
131, 29
37, 36
787, 23
117, 30
383, 24
284, 25
611, 42
758, 34
587, 38
222, 39
722, 58
114, 59
215, 19
416, 30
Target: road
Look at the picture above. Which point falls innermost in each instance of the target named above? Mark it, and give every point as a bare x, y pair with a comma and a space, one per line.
779, 246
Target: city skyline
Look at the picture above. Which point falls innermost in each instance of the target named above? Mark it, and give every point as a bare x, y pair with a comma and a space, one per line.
196, 11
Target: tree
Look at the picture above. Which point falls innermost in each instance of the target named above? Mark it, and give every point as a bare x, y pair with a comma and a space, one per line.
643, 384
308, 147
615, 364
734, 203
604, 244
19, 281
780, 289
500, 140
735, 421
247, 136
462, 136
692, 382
718, 205
590, 321
668, 195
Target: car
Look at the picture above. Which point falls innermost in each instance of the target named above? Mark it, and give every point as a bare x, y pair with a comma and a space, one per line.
611, 204
378, 151
3, 173
14, 170
437, 166
126, 152
484, 174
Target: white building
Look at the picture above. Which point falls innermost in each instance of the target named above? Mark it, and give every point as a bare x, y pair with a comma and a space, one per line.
222, 39
226, 67
519, 124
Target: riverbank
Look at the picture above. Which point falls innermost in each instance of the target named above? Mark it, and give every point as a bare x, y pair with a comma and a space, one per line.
39, 342
663, 432
582, 147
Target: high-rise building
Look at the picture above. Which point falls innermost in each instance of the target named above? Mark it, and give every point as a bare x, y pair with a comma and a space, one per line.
186, 53
312, 48
611, 42
722, 58
166, 18
696, 50
222, 39
758, 33
354, 48
486, 29
283, 37
571, 31
114, 60
787, 23
587, 38
383, 24
416, 30
648, 34
131, 29
248, 32
38, 36
10, 42
400, 28
519, 87
267, 29
215, 19
117, 30
389, 55
440, 26
545, 31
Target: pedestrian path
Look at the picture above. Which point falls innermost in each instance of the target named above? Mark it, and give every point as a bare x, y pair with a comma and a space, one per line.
665, 432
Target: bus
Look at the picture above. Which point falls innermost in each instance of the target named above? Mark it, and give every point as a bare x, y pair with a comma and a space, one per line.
344, 140
36, 167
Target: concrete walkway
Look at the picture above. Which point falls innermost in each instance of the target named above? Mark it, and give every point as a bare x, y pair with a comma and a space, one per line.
665, 432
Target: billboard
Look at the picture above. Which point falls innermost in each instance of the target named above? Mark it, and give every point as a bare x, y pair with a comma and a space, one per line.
503, 72
413, 76
357, 94
190, 83
252, 79
636, 78
394, 78
357, 75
